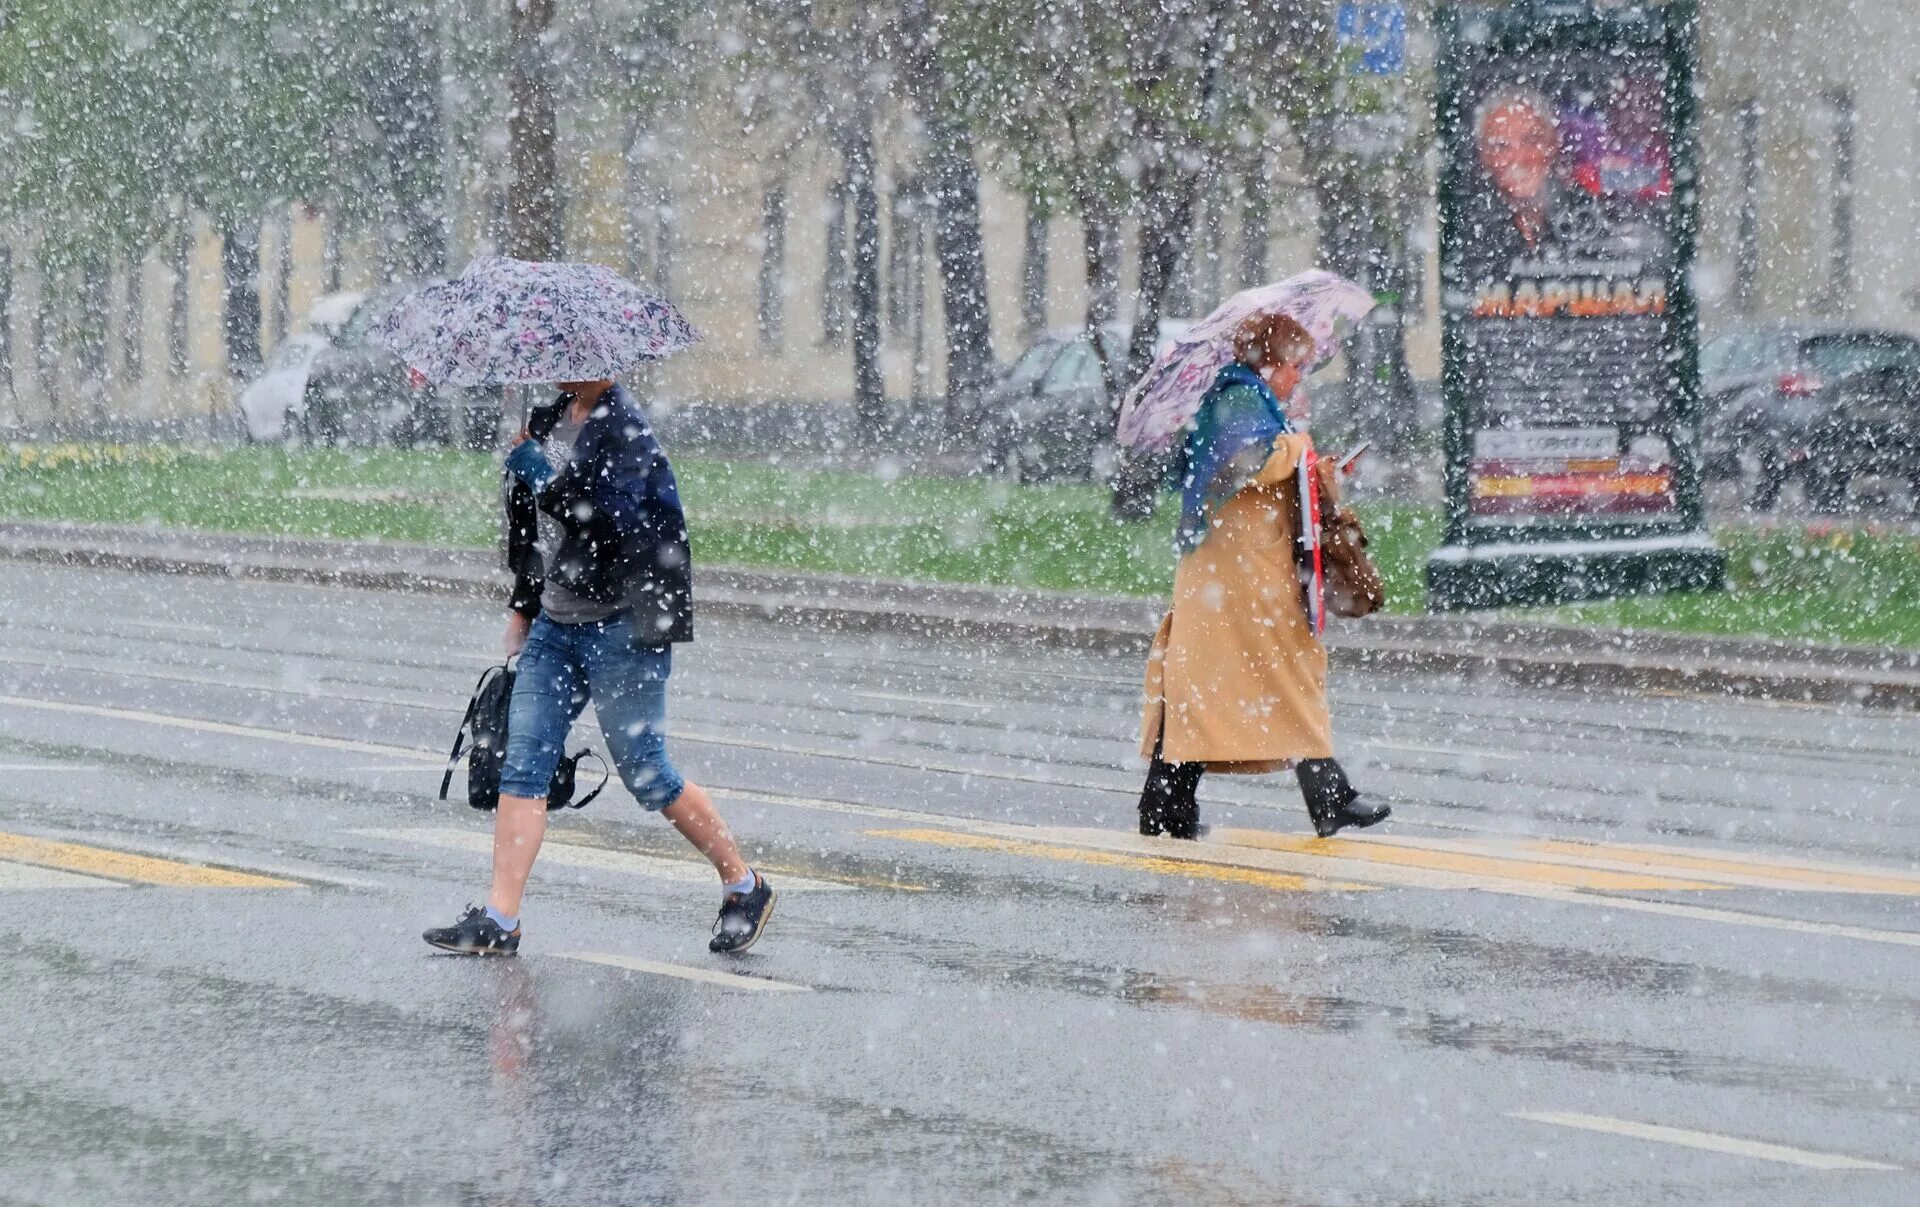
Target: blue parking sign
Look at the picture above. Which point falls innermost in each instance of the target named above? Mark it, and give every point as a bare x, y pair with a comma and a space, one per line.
1379, 30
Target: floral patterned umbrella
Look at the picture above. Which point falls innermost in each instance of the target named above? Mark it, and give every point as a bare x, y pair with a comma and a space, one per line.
1162, 403
504, 322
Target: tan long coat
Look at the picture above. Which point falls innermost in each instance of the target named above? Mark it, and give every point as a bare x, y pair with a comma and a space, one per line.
1236, 674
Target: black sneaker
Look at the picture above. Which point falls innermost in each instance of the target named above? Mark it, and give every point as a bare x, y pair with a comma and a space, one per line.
742, 917
475, 934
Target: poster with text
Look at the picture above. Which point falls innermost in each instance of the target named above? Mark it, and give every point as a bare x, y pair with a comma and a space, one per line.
1561, 257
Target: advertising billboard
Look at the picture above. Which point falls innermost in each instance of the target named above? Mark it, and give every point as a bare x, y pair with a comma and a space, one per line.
1566, 238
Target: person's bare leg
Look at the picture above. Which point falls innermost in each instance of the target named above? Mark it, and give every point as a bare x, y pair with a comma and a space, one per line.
519, 825
692, 814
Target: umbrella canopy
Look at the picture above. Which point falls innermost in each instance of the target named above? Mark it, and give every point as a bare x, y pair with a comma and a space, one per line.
506, 322
1162, 403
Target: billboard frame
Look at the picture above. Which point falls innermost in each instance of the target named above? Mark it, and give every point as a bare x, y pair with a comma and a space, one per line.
1480, 565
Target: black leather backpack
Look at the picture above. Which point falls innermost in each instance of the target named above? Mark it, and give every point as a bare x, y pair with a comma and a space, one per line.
486, 724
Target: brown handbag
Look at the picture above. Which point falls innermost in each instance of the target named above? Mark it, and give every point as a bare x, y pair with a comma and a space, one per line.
1353, 584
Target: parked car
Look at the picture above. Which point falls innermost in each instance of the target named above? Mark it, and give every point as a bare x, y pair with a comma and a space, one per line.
358, 392
1869, 423
1049, 414
1765, 390
332, 311
270, 405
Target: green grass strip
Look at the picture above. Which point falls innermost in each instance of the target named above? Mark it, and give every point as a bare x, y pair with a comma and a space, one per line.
1845, 585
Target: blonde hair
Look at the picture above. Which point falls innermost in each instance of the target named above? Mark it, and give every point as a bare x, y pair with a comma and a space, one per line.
1271, 338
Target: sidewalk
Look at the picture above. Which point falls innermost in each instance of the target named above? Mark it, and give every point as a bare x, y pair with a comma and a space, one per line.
1534, 655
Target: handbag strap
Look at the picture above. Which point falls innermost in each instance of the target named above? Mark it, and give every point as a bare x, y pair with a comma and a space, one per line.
605, 776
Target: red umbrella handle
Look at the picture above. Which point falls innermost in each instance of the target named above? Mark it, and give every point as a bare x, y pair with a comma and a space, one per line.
1310, 531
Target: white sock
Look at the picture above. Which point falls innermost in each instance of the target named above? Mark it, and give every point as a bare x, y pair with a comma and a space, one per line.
744, 886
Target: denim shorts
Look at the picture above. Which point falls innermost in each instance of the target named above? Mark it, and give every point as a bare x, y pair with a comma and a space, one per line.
563, 666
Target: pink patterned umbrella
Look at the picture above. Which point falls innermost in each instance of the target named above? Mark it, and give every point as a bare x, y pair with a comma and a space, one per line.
505, 321
1162, 403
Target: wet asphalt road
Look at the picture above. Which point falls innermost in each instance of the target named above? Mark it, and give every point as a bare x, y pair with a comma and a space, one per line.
1594, 914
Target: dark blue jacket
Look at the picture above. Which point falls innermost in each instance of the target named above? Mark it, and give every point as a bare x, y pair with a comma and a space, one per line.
624, 533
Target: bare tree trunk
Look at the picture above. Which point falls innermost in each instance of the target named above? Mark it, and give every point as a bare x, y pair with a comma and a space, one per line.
905, 235
1256, 225
6, 321
1166, 220
773, 265
46, 335
133, 326
405, 91
922, 372
240, 269
179, 302
1208, 281
954, 179
1100, 245
50, 329
1177, 302
1357, 240
332, 253
42, 330
638, 220
1033, 268
833, 272
869, 387
280, 301
907, 275
533, 201
95, 307
1168, 191
666, 233
963, 268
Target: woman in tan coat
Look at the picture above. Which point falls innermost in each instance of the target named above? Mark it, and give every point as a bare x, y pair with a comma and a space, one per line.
1237, 681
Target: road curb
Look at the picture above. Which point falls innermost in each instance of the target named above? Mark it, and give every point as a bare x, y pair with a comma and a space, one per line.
1469, 649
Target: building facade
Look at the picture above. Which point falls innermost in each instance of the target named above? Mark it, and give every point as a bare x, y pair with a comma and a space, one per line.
1810, 137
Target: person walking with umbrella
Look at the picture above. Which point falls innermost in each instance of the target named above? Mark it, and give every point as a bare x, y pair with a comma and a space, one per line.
597, 541
1237, 678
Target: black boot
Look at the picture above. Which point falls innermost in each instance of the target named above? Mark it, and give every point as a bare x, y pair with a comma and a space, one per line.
1167, 804
1332, 802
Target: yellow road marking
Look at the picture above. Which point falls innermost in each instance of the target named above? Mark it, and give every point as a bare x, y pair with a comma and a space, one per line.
1780, 875
788, 873
603, 858
1243, 859
1809, 875
119, 865
1274, 857
1459, 862
1278, 881
1725, 870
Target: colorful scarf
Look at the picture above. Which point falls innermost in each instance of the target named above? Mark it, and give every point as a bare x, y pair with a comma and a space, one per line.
1232, 438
